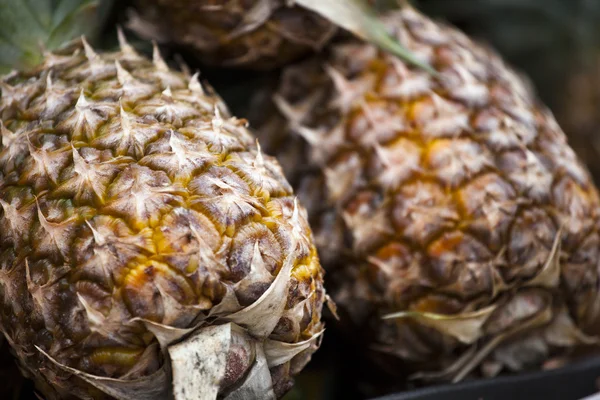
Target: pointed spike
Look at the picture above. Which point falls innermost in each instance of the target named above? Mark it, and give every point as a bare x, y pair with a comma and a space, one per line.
125, 121
6, 135
340, 81
382, 265
123, 76
292, 115
173, 141
195, 85
32, 149
49, 81
311, 136
256, 256
4, 205
95, 318
443, 106
465, 75
400, 67
437, 100
217, 121
79, 164
332, 307
98, 238
297, 233
259, 162
90, 54
12, 215
43, 221
258, 267
81, 101
30, 285
296, 213
177, 149
225, 187
381, 155
126, 48
157, 59
7, 90
10, 74
167, 92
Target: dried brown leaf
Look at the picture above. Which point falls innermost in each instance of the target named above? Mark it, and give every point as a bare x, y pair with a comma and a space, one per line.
261, 317
465, 327
199, 363
278, 353
152, 387
549, 275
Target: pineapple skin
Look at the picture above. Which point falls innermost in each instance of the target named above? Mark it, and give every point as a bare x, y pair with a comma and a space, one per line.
258, 34
127, 191
451, 204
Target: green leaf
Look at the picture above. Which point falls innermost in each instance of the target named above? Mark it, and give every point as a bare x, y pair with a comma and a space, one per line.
359, 18
29, 27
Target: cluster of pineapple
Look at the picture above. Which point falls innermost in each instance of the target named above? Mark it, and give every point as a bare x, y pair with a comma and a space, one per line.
153, 245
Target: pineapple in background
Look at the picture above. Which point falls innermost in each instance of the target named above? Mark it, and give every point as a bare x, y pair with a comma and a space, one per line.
557, 43
460, 231
260, 34
142, 229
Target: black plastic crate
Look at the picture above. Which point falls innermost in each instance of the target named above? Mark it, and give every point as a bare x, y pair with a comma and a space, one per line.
573, 382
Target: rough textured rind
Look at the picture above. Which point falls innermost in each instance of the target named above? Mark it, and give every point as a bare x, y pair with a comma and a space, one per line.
132, 206
253, 33
452, 205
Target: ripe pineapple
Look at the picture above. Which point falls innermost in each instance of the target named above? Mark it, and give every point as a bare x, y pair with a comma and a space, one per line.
148, 249
460, 230
257, 33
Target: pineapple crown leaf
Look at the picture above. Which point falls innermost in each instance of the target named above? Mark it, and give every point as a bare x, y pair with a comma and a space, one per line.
358, 17
28, 28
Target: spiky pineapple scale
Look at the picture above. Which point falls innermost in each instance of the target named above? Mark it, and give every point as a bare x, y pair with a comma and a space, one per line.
128, 194
442, 197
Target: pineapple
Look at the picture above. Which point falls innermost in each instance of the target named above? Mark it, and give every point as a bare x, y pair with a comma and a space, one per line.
460, 230
148, 248
260, 34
